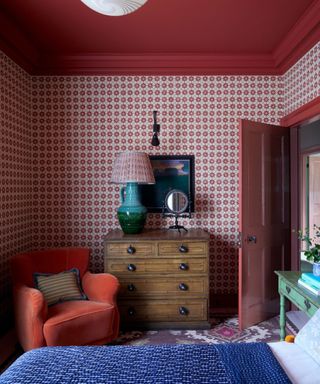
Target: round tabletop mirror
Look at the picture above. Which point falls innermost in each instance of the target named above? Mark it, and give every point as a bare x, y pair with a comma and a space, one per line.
176, 201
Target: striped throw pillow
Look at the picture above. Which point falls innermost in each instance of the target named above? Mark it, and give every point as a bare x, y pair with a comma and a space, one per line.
63, 286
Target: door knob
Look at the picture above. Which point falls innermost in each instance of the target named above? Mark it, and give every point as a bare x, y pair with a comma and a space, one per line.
252, 239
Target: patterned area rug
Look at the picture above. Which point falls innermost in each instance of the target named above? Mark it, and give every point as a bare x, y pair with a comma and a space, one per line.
222, 331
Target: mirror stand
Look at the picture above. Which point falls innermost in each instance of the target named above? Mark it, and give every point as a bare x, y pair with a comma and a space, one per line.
176, 225
176, 203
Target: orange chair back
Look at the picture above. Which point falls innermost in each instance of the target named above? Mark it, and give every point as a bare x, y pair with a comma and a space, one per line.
48, 261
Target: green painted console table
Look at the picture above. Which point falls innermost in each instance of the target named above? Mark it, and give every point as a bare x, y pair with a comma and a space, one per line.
299, 296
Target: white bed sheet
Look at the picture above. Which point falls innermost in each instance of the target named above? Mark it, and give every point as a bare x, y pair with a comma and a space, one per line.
298, 365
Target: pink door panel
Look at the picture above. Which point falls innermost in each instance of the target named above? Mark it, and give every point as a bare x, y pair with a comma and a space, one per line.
264, 218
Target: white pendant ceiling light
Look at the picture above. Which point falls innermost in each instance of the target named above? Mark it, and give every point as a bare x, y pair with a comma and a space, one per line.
114, 7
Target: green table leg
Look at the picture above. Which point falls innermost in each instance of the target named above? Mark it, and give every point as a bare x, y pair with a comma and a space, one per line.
282, 318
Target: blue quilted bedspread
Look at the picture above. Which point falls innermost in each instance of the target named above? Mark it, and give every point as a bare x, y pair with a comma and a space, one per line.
224, 363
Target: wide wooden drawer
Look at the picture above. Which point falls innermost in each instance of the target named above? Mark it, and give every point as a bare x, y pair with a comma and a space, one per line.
163, 310
139, 249
175, 248
297, 298
184, 287
137, 266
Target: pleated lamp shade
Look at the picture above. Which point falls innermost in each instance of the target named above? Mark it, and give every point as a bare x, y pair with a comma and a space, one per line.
134, 167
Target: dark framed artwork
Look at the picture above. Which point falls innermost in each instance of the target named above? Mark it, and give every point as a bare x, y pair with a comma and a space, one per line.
170, 172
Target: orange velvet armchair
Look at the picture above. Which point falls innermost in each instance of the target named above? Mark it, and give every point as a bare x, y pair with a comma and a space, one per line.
79, 322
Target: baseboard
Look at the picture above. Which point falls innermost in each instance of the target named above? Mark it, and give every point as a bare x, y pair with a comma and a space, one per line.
223, 304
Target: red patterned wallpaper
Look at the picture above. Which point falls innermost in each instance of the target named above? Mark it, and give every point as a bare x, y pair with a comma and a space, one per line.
82, 122
62, 133
302, 81
16, 173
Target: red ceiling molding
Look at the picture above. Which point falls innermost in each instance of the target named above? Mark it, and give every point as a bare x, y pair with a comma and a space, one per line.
300, 39
158, 64
304, 34
307, 111
16, 45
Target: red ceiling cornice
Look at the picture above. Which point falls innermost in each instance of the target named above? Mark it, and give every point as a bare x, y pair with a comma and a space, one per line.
304, 35
300, 39
158, 64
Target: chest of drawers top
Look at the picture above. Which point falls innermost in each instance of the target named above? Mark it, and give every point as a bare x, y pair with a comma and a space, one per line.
159, 234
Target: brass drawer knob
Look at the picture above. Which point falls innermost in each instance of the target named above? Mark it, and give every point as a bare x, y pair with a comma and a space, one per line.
131, 287
307, 304
131, 250
184, 266
131, 311
288, 289
183, 287
183, 311
183, 248
131, 267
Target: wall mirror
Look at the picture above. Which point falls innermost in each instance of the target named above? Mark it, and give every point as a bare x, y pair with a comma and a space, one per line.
175, 205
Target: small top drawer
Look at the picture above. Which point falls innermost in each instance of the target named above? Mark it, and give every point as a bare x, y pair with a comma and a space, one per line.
298, 298
141, 249
193, 248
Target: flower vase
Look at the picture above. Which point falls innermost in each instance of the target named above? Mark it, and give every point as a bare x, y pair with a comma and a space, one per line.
316, 268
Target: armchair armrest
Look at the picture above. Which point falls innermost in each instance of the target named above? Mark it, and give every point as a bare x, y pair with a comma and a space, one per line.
31, 311
101, 287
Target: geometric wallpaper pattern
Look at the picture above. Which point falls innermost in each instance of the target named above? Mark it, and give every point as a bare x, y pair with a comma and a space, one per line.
83, 122
302, 81
15, 172
59, 137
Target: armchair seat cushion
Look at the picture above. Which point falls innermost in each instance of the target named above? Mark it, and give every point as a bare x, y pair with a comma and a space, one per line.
79, 323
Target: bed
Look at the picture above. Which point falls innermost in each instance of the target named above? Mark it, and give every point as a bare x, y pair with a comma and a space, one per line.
299, 366
196, 364
252, 363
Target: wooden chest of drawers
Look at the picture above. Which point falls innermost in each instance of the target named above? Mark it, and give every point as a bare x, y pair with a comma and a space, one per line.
163, 276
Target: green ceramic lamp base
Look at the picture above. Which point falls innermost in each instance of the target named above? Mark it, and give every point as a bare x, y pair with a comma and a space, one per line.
132, 214
132, 222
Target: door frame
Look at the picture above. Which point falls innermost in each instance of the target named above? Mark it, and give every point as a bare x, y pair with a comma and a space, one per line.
304, 114
302, 187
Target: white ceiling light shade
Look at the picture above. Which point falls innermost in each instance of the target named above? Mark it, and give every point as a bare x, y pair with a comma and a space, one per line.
114, 7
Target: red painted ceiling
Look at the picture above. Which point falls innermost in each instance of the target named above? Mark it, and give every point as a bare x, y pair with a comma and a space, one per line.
161, 26
208, 27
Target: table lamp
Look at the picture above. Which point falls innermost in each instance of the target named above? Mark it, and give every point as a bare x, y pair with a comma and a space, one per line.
132, 168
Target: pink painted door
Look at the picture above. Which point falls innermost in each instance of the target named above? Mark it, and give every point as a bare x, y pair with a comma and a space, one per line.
264, 219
